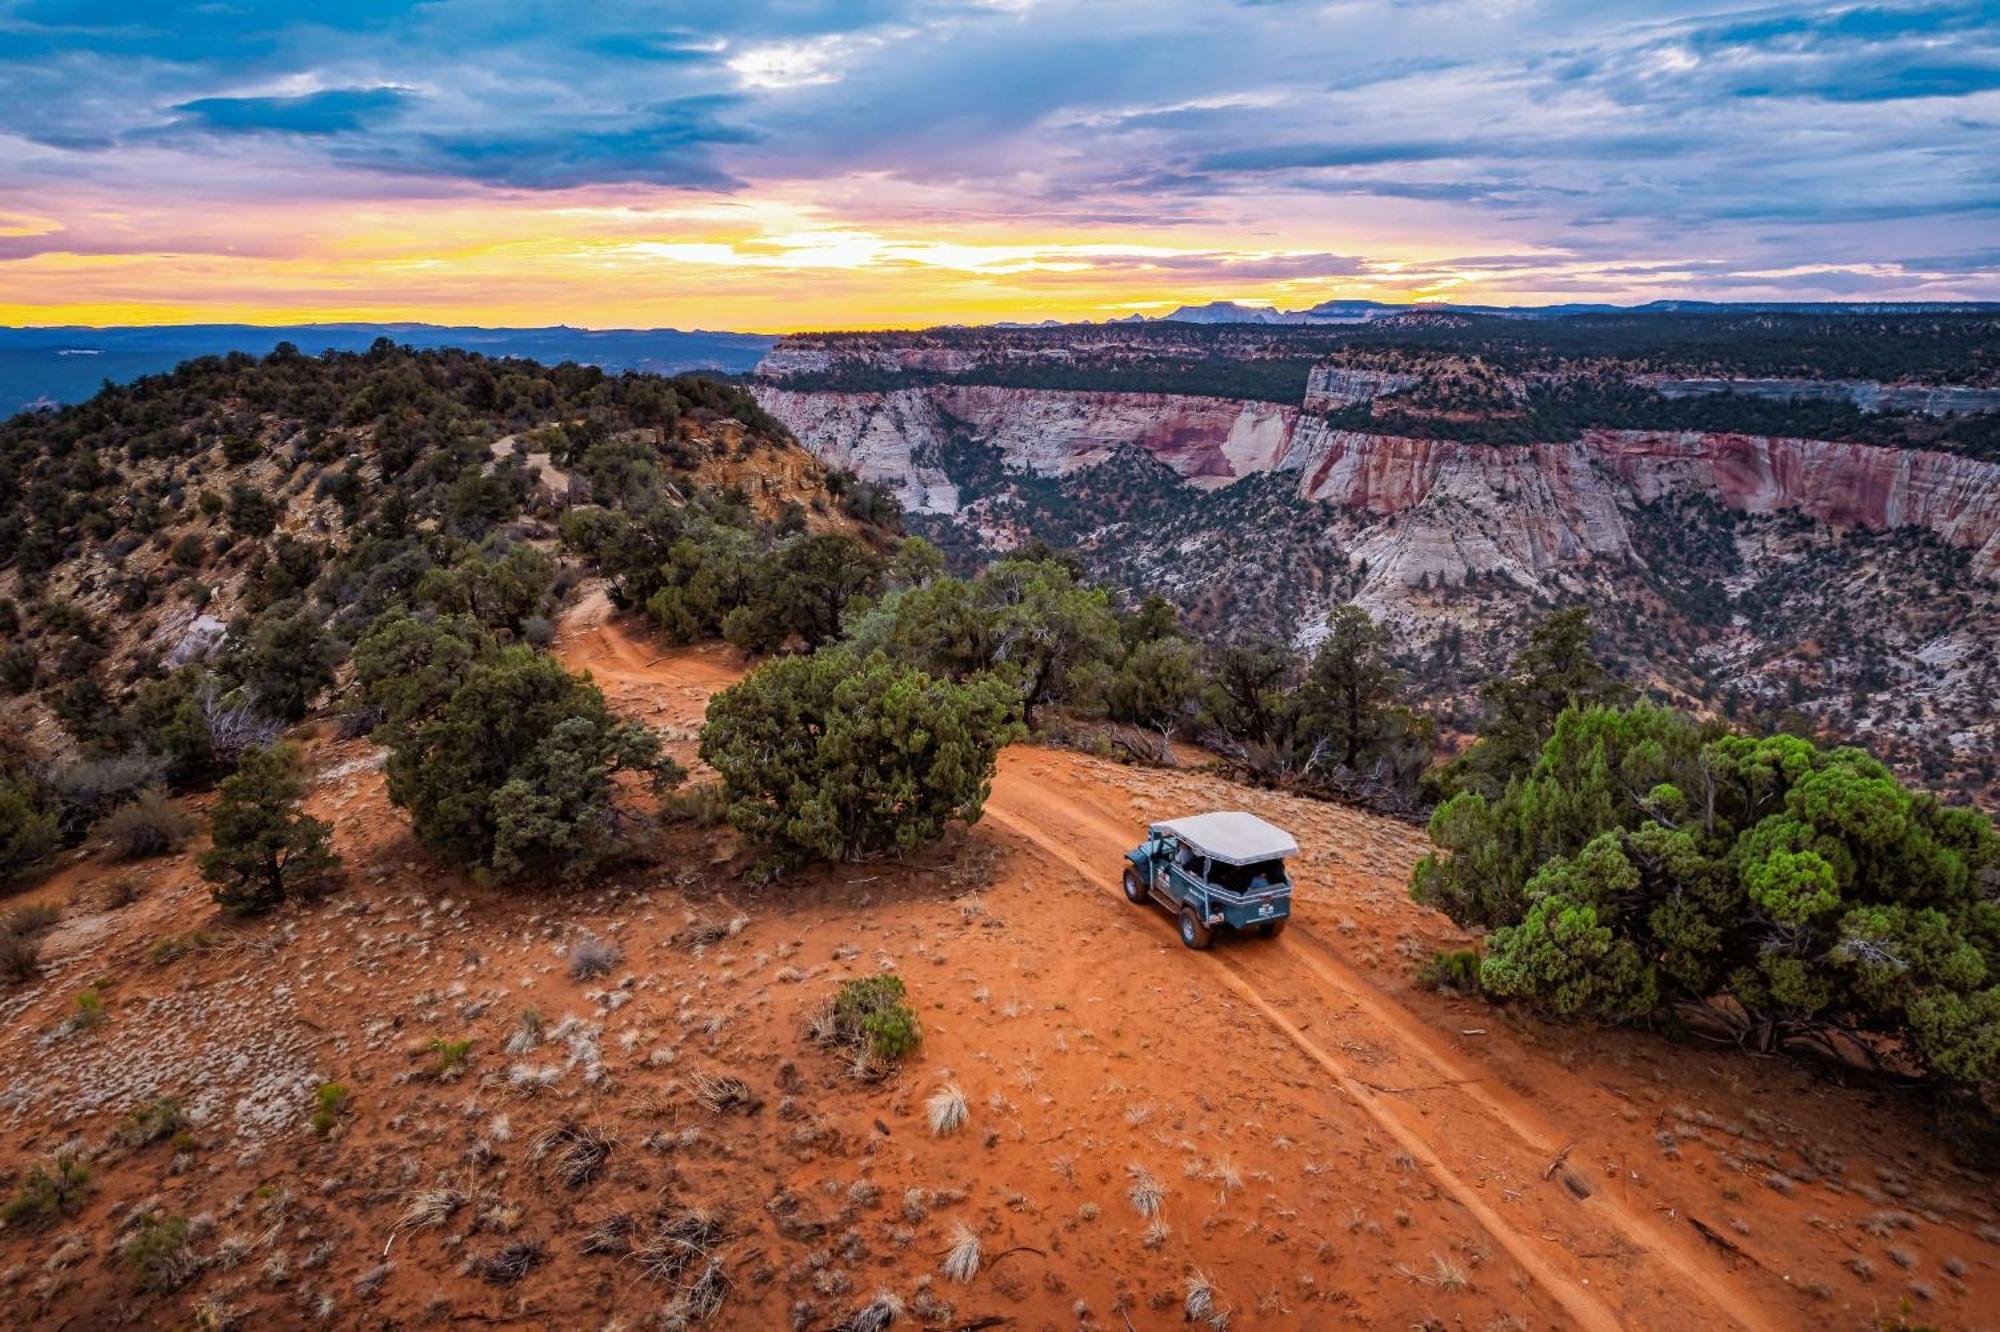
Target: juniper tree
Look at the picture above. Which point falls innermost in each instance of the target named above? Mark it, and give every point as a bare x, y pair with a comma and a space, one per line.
830, 757
1790, 892
263, 848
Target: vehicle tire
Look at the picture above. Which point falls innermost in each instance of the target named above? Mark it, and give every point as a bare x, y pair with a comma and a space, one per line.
1193, 933
1135, 892
1271, 929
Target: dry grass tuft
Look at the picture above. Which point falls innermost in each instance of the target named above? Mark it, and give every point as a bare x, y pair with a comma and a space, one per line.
1447, 1275
946, 1109
680, 1253
1198, 1304
591, 957
612, 1235
573, 1153
426, 1209
720, 1095
961, 1260
1145, 1192
510, 1262
876, 1315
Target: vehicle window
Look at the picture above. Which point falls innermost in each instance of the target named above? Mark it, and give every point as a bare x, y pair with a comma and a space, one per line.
1250, 878
1184, 857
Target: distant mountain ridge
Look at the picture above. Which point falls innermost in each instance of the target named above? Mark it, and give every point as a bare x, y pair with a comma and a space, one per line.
63, 364
1361, 311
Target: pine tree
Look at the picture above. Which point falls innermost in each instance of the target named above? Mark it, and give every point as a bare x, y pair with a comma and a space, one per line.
264, 847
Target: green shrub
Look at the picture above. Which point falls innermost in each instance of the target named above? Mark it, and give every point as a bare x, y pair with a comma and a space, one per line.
830, 757
870, 1011
190, 551
88, 1014
49, 1191
1458, 970
504, 760
20, 667
28, 831
329, 1104
152, 825
451, 1055
157, 1254
263, 848
286, 661
1785, 892
155, 1121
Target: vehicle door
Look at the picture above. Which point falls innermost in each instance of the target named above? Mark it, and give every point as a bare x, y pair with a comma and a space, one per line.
1187, 872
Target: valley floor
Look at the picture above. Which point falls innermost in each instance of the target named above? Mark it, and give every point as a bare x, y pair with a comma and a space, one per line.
1335, 1147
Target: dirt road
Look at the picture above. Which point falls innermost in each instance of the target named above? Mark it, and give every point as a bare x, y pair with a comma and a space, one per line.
1553, 1162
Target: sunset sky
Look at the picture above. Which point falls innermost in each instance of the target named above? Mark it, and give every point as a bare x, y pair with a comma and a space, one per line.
892, 162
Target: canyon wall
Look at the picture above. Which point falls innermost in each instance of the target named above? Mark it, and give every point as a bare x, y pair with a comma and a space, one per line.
1525, 511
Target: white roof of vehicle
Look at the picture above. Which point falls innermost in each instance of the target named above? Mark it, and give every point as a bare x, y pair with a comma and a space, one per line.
1231, 836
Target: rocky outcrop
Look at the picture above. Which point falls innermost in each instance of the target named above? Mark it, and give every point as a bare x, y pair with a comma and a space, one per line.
898, 438
894, 439
1868, 395
1332, 385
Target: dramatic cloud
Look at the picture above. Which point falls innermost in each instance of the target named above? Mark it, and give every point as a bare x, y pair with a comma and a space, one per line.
908, 160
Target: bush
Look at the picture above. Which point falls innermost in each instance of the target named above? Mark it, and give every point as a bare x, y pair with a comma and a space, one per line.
329, 1104
263, 848
28, 832
832, 758
20, 957
451, 1055
1790, 895
705, 805
88, 1014
48, 1192
155, 1121
169, 717
173, 947
1457, 971
592, 957
20, 666
504, 759
287, 662
152, 825
870, 1012
84, 791
157, 1254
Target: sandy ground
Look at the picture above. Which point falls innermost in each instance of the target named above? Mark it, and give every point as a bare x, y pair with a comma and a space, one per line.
1333, 1147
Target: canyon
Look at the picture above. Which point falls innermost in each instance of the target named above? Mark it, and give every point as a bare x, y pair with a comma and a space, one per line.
1565, 501
1851, 581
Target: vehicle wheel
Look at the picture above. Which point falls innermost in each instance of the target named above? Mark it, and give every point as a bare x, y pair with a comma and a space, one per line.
1135, 892
1271, 929
1193, 933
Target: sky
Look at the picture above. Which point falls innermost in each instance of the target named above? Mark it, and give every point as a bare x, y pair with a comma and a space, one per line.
881, 163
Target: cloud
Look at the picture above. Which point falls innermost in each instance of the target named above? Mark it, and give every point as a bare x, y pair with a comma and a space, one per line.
333, 111
666, 145
1287, 142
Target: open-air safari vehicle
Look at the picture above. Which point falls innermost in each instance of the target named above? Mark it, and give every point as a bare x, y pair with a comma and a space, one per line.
1215, 871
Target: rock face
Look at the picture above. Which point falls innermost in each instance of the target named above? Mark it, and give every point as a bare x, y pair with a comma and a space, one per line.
899, 438
1526, 511
1929, 399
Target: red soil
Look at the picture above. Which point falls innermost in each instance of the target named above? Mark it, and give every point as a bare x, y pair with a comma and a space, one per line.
1336, 1147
